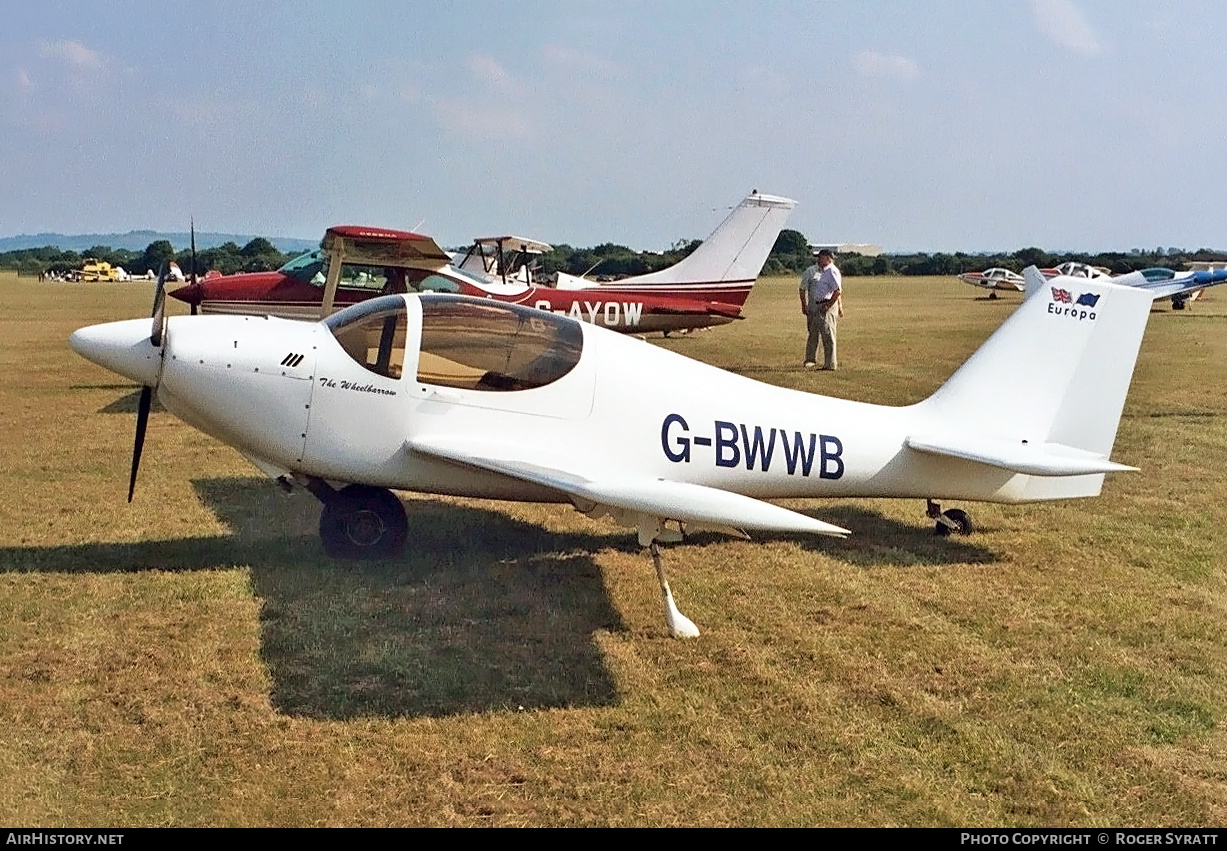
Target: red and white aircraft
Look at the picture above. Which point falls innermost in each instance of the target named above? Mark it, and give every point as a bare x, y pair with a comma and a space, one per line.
996, 278
708, 287
437, 393
1074, 269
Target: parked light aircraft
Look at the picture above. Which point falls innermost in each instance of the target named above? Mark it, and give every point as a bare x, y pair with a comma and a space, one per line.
998, 278
994, 279
1180, 287
436, 392
706, 288
1074, 269
505, 259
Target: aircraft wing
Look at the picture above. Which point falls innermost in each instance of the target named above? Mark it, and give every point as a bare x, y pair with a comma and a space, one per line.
1183, 282
644, 494
1038, 459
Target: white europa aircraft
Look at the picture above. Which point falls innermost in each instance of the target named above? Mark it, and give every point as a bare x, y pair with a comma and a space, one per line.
454, 395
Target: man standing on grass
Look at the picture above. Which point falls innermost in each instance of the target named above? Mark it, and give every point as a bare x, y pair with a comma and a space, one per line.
822, 304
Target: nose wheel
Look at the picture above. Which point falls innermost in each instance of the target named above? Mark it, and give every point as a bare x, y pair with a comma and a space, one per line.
361, 522
954, 520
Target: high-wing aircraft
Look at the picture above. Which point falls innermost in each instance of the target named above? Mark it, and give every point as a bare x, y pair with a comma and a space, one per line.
706, 288
994, 279
436, 393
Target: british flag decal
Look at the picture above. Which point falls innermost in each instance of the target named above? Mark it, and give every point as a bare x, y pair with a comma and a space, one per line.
1064, 304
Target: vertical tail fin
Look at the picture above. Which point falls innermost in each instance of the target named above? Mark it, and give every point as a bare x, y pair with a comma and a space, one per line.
1034, 279
736, 250
1054, 374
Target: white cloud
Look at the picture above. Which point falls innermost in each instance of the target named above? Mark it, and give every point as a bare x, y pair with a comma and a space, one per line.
889, 66
488, 70
484, 122
1064, 23
570, 59
72, 52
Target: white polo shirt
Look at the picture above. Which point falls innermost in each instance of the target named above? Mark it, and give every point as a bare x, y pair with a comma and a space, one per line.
821, 284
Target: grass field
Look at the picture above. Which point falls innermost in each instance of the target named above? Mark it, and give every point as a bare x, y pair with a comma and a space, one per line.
194, 659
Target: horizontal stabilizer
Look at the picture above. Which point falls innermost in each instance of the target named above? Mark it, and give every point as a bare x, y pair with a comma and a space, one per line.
1034, 459
655, 496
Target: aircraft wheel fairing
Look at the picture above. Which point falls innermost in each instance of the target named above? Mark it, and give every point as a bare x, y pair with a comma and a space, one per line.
954, 520
362, 522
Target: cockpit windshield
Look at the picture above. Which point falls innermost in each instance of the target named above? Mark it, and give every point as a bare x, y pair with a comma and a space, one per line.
307, 268
373, 334
479, 344
468, 343
312, 268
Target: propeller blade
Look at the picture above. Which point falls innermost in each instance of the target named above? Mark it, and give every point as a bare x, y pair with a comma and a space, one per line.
195, 288
142, 420
159, 306
193, 227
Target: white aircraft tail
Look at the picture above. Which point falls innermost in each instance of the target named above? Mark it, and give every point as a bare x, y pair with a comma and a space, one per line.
1034, 279
1044, 394
735, 251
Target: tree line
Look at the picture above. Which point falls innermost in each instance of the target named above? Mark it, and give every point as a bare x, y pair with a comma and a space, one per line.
258, 255
790, 255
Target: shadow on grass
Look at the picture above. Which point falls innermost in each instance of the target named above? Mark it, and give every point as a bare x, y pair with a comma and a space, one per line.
128, 403
757, 369
482, 613
877, 541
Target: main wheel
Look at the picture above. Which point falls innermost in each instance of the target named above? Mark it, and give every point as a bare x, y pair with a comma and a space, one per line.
962, 523
361, 522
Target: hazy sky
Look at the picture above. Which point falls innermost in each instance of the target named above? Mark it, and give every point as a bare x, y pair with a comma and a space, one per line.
946, 125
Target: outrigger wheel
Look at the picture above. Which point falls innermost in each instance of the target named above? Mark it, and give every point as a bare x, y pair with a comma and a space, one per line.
952, 520
362, 522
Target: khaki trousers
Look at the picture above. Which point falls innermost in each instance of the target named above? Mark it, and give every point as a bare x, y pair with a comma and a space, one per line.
822, 325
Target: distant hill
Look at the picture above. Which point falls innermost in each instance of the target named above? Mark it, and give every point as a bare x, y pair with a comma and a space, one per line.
138, 240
